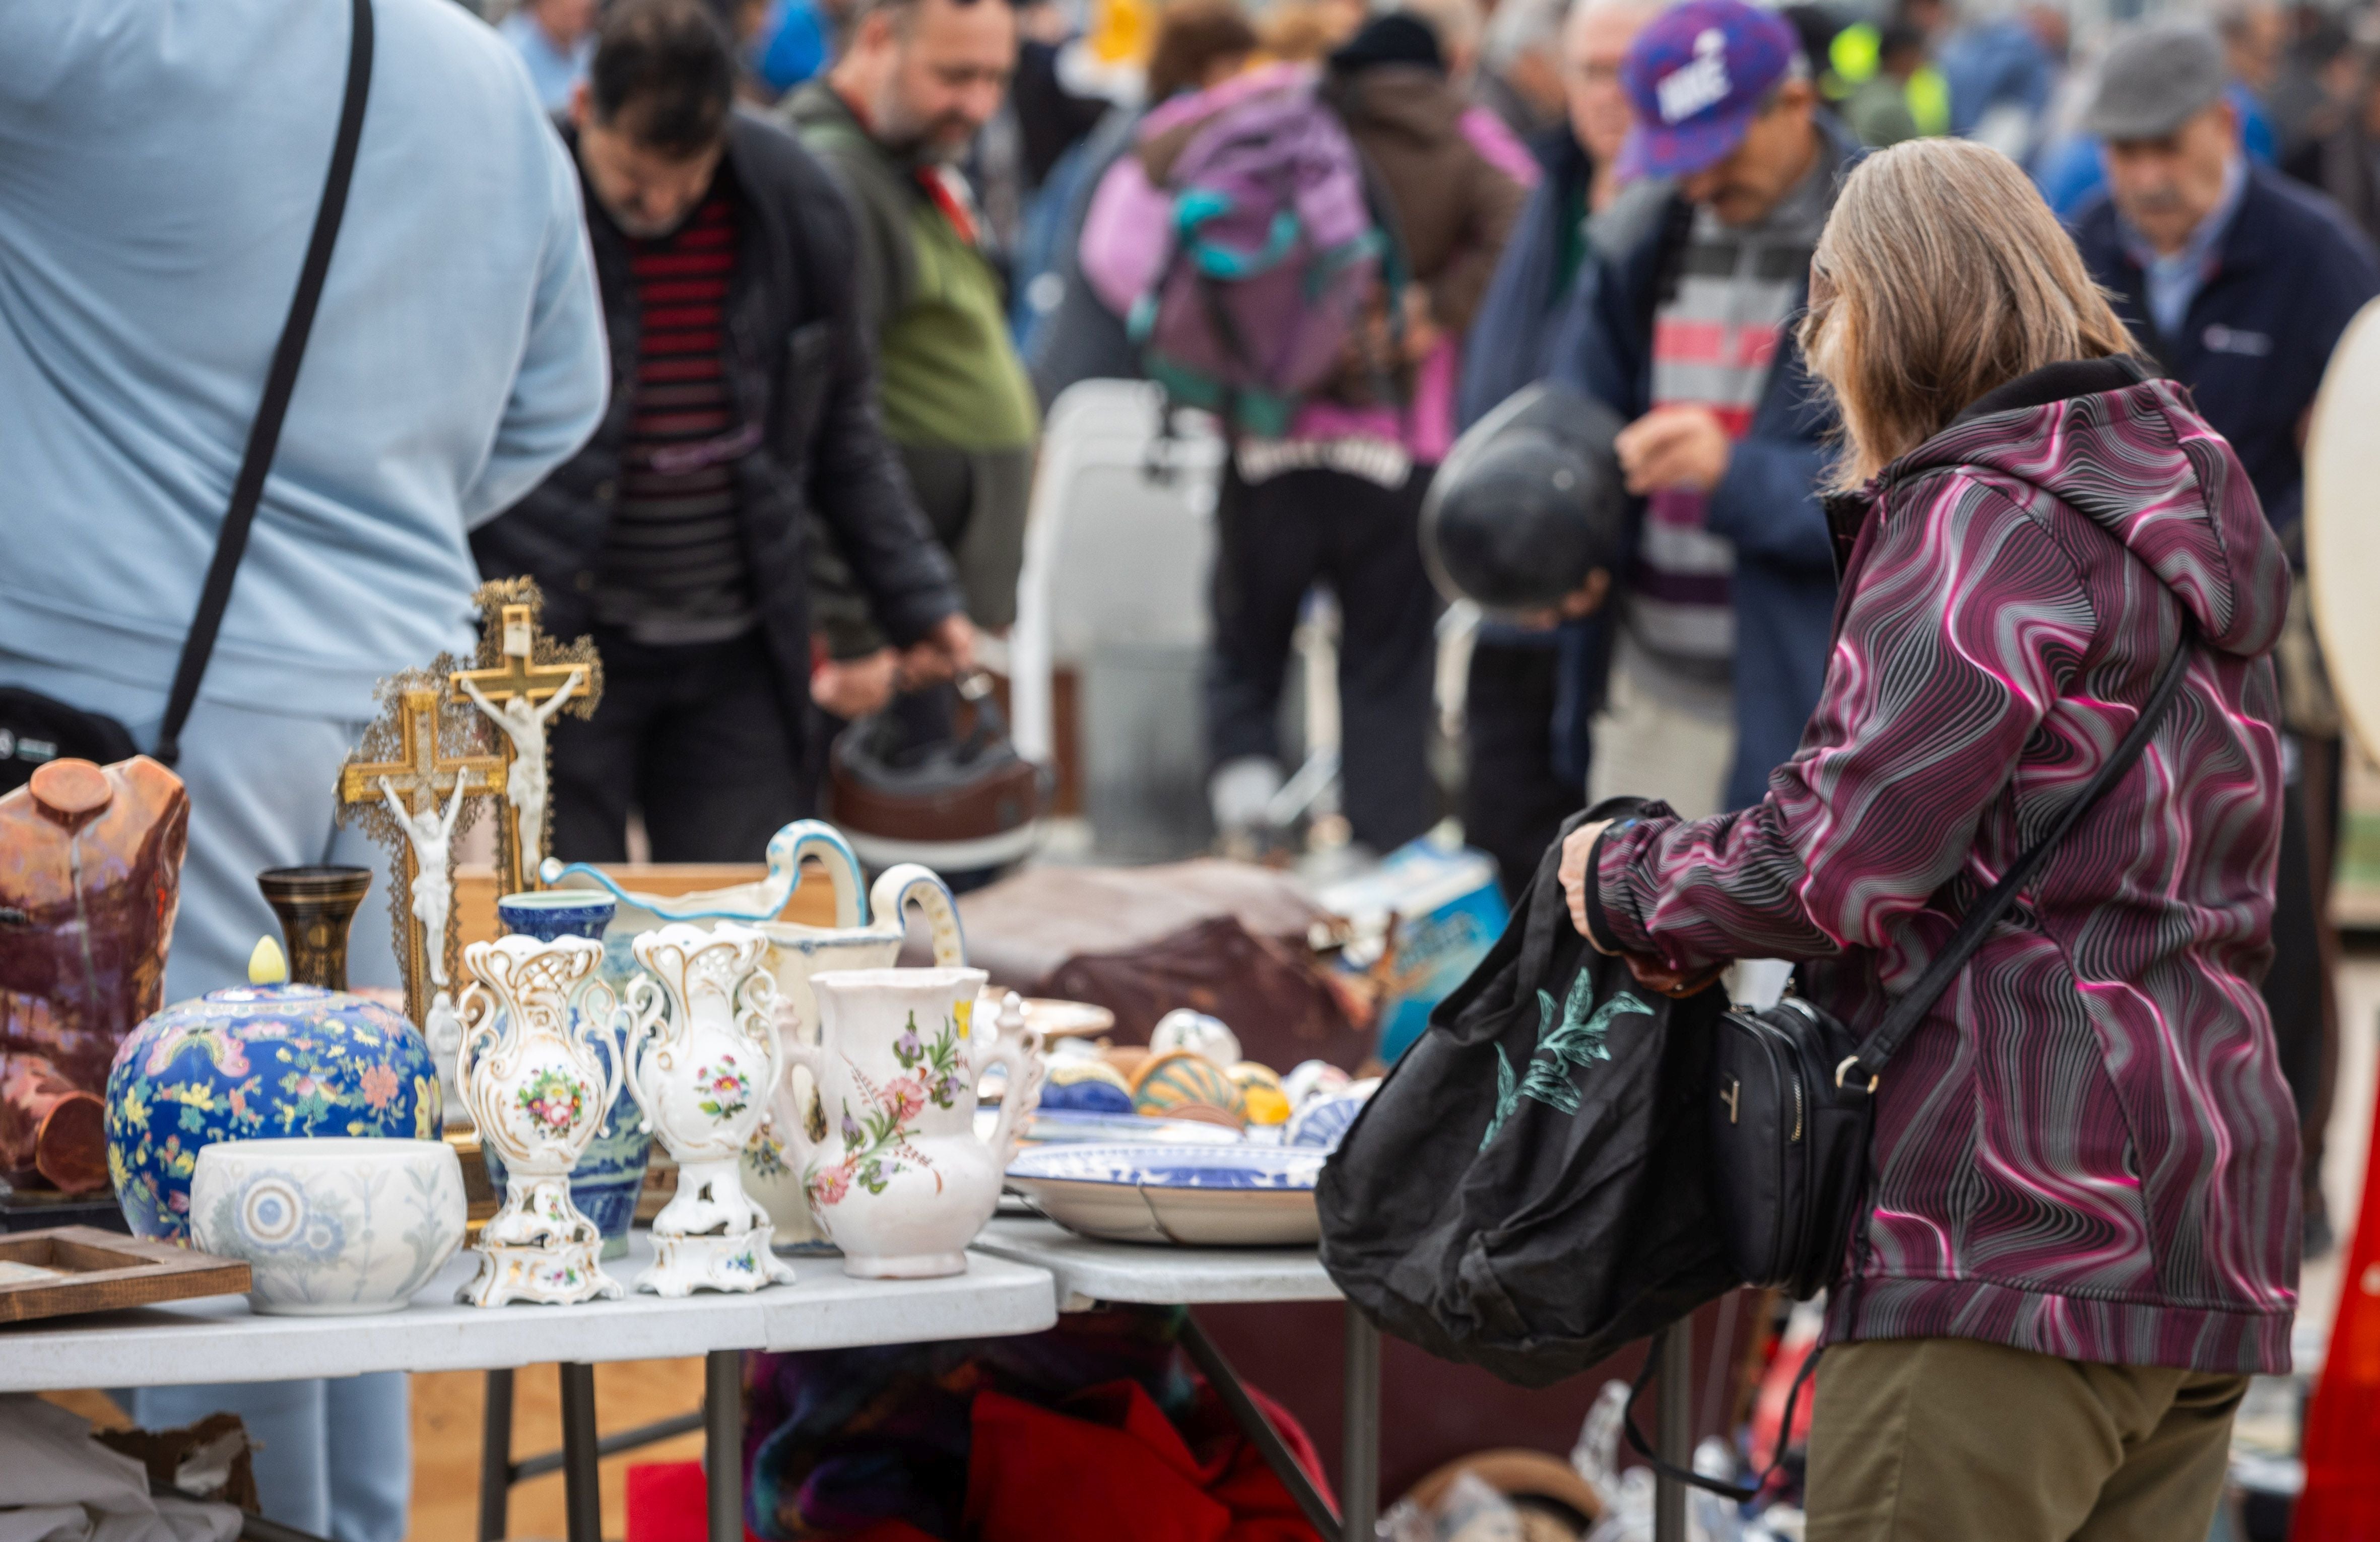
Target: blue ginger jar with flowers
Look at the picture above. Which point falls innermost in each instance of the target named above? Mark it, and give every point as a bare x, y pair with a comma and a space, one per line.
265, 1058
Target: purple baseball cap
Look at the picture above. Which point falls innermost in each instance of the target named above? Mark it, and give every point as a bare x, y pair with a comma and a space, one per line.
1695, 77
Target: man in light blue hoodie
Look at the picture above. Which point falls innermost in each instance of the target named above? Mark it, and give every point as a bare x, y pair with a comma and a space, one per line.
161, 162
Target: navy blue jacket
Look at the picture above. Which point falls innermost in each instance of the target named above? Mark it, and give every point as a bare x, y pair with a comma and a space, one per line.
1510, 341
1510, 345
1766, 504
2290, 275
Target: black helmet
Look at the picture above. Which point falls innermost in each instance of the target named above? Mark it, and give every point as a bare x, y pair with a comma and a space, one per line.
1528, 503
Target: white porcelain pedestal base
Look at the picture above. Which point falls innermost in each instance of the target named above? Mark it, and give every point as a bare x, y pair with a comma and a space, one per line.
539, 1248
913, 1266
684, 1265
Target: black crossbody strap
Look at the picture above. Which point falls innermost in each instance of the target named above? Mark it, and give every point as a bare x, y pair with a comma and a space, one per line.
264, 434
1911, 1010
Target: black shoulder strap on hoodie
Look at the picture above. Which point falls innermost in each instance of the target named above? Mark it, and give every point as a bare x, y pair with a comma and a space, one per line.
1911, 1010
264, 434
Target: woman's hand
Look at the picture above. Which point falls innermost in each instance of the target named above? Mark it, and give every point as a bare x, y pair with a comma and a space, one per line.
1654, 975
1576, 848
1651, 973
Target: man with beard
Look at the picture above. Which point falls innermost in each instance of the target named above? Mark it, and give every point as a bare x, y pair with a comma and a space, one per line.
917, 82
742, 408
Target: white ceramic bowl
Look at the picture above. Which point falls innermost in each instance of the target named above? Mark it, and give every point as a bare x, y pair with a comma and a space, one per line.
332, 1227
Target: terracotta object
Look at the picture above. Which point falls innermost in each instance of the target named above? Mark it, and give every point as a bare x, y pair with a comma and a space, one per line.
315, 906
64, 1127
91, 874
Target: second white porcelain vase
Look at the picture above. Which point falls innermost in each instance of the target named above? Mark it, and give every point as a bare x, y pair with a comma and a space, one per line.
703, 1062
538, 1087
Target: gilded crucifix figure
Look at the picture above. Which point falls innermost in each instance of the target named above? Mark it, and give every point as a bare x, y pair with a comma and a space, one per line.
521, 667
413, 784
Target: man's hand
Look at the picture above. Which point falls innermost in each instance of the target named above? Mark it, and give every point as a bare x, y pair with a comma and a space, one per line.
945, 652
1422, 332
1580, 602
1674, 448
855, 687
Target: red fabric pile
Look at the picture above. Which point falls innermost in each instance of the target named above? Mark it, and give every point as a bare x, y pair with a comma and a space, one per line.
1105, 1464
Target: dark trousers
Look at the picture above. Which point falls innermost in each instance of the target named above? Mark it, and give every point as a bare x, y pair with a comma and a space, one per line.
694, 738
1278, 539
1513, 803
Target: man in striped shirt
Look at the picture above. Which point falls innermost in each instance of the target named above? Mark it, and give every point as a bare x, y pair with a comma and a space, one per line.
742, 402
1684, 326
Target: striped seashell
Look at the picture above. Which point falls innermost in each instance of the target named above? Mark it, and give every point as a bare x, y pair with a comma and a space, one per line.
1169, 1081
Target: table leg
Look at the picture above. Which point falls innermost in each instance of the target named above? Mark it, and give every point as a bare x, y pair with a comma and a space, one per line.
496, 1458
723, 1441
1359, 1417
1675, 1436
1256, 1427
582, 1496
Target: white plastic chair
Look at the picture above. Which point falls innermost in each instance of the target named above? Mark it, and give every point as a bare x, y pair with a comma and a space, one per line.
1113, 555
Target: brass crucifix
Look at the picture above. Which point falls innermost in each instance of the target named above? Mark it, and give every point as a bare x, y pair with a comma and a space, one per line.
413, 797
520, 668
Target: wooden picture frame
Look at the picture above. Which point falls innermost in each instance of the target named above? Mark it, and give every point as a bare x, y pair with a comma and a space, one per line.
83, 1269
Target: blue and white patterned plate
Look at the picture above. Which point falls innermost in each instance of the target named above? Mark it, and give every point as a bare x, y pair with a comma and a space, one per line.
1185, 1165
1203, 1196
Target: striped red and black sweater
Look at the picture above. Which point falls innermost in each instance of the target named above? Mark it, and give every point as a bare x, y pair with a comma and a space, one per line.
2087, 1149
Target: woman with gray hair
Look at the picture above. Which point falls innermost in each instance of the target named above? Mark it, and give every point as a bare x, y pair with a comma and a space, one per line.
2079, 1237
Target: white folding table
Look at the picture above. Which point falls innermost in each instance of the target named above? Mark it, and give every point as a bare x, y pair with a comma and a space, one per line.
218, 1339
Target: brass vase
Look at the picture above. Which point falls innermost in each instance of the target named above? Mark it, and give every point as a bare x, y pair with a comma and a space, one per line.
315, 905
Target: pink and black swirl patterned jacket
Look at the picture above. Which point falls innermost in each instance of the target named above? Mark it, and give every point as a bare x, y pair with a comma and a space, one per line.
2087, 1149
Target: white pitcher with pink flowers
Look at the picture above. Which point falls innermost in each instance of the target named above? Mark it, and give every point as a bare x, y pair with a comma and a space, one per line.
900, 1181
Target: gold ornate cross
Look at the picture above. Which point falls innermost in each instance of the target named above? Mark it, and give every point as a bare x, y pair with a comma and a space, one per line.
517, 662
518, 673
424, 780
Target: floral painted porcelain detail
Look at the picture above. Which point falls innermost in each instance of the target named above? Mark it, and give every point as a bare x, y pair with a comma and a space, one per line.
253, 1061
539, 1070
610, 1174
865, 935
702, 1060
334, 1227
901, 1181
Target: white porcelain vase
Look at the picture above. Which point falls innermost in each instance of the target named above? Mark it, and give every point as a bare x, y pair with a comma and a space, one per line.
866, 934
538, 1086
703, 1062
901, 1181
334, 1227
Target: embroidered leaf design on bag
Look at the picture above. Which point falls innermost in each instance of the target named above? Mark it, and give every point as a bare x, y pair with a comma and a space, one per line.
1567, 1039
1507, 1097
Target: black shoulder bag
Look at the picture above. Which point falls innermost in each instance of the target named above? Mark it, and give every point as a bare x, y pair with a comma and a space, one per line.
35, 728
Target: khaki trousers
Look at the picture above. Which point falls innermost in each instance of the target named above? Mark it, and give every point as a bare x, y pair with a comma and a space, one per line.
1955, 1441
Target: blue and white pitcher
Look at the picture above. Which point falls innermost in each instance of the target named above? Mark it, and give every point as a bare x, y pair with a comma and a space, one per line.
866, 934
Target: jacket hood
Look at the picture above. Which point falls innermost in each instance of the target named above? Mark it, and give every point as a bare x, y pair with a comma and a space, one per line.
2132, 456
1412, 99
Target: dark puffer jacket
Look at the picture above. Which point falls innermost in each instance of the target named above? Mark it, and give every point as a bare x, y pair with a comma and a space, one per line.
798, 367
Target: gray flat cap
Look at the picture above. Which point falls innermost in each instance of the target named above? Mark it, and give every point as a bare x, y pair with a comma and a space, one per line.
2155, 79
